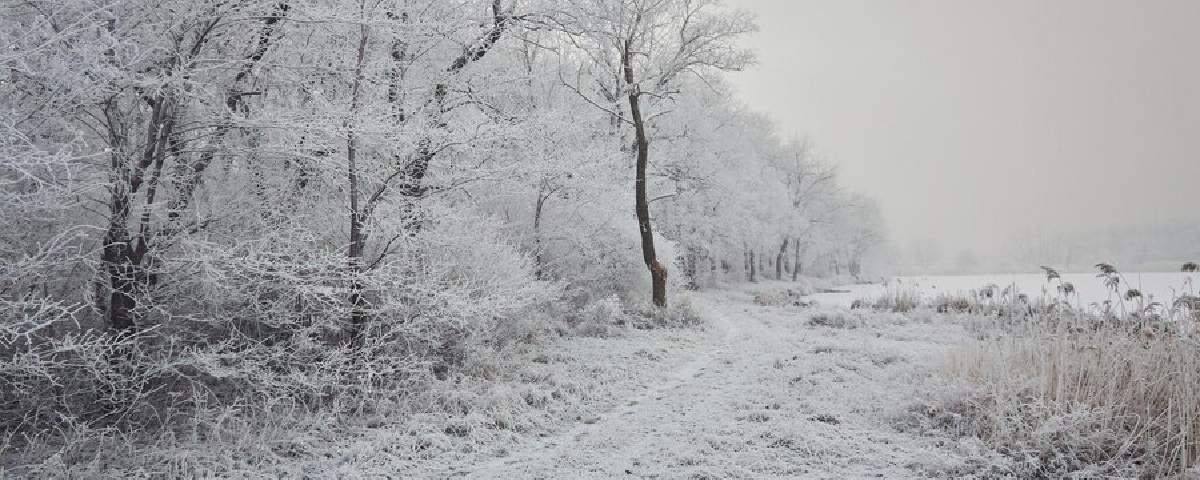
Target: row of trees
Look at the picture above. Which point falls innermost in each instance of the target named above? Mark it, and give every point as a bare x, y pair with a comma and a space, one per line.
304, 196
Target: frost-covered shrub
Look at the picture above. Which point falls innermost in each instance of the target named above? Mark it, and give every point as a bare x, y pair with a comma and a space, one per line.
55, 370
900, 300
681, 314
602, 318
596, 261
789, 297
833, 320
262, 327
610, 317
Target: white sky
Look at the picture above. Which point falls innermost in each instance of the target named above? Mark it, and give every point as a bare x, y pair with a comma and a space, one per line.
972, 120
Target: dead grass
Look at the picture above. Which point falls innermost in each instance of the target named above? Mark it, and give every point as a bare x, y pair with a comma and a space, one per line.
1109, 400
1061, 390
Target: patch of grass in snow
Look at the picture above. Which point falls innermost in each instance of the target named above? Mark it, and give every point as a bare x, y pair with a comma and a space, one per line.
833, 320
790, 297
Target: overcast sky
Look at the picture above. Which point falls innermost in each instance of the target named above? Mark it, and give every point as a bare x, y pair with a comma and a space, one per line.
972, 120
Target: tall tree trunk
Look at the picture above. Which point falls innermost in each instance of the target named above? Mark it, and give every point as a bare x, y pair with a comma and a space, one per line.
133, 177
745, 259
779, 259
538, 269
752, 265
796, 265
120, 266
358, 237
692, 271
658, 273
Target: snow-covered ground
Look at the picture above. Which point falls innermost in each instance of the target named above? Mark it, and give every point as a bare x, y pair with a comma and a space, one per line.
762, 392
1157, 286
771, 392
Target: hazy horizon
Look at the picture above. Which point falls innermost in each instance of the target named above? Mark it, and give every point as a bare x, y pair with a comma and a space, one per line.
975, 122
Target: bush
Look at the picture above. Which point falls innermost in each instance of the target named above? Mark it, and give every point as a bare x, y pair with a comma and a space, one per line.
603, 318
258, 329
790, 297
680, 314
899, 301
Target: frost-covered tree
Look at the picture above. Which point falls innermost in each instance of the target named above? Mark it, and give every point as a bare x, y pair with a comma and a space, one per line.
637, 51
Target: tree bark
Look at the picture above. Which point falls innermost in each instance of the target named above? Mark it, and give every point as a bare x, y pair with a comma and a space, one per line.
692, 271
121, 269
124, 249
658, 273
538, 270
796, 265
752, 263
358, 237
779, 259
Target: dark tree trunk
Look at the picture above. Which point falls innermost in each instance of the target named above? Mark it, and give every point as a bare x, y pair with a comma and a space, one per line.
779, 259
358, 237
538, 270
122, 277
691, 268
658, 273
796, 265
125, 248
752, 263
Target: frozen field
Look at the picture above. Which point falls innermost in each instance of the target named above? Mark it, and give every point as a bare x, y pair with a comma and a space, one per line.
1158, 286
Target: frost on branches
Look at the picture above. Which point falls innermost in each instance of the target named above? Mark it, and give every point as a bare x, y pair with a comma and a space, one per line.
242, 207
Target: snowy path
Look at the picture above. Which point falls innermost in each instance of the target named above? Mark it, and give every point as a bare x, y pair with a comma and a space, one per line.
772, 396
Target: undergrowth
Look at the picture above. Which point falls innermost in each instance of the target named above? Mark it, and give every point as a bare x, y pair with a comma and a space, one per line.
480, 392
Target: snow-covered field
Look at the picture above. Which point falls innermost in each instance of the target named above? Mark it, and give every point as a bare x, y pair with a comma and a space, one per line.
1157, 286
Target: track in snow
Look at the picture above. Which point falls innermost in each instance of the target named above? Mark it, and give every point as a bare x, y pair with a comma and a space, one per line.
771, 396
